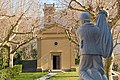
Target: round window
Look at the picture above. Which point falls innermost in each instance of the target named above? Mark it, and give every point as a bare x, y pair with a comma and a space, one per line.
55, 43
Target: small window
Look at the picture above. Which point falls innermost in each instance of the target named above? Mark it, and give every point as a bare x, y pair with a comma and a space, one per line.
55, 43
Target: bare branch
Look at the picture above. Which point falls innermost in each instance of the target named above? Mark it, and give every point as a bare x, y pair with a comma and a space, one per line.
72, 8
25, 42
9, 16
117, 17
84, 8
10, 31
113, 29
116, 41
70, 37
22, 33
114, 20
13, 42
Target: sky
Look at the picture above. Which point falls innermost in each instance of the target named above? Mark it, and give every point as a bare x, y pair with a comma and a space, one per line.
49, 1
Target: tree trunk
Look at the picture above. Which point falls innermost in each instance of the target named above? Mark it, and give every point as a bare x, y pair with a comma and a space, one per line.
11, 60
108, 67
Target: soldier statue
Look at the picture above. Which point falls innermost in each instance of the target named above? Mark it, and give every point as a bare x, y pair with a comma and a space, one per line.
95, 43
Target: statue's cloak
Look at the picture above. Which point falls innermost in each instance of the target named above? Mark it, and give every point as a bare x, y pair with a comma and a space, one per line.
105, 41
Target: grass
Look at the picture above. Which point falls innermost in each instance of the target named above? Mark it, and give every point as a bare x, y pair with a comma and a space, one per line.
36, 75
66, 76
59, 76
29, 76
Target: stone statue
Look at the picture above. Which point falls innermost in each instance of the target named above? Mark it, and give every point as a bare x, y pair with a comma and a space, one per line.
94, 42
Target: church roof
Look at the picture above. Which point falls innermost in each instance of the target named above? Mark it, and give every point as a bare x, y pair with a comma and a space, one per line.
54, 26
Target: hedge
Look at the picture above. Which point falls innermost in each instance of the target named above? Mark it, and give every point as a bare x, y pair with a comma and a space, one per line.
8, 73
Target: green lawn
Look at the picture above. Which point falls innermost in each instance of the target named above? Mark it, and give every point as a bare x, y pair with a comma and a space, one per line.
36, 75
29, 76
66, 76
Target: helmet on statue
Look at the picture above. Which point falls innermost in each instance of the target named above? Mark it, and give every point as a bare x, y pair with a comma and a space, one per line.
85, 16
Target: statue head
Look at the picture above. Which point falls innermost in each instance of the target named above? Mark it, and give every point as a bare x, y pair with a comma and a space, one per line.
85, 16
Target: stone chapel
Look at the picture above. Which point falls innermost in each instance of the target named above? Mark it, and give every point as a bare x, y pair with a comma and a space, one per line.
55, 50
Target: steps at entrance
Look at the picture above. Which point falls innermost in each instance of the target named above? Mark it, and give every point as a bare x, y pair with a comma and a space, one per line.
56, 71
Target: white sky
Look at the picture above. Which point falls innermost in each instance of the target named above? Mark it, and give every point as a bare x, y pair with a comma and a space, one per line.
49, 1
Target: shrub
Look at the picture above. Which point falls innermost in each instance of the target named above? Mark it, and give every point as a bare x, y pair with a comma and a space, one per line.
17, 69
77, 59
8, 73
4, 57
5, 75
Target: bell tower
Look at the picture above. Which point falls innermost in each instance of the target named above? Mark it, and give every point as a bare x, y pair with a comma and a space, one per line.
49, 10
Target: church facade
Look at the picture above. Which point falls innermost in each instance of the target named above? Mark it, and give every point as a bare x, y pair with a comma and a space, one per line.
55, 50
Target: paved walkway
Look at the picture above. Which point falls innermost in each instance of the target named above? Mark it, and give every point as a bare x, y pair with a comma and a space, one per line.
46, 77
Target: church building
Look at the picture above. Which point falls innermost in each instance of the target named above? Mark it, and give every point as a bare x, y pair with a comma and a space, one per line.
55, 50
